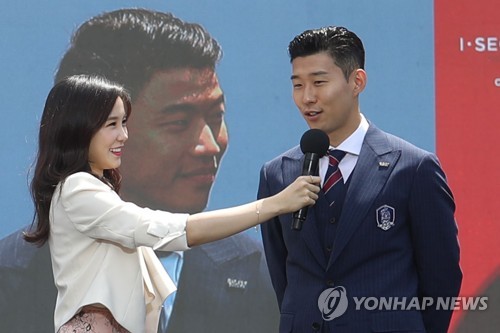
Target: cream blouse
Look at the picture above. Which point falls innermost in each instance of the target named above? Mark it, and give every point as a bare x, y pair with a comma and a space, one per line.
102, 253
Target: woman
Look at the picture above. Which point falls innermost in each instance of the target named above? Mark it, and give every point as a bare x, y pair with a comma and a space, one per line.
106, 273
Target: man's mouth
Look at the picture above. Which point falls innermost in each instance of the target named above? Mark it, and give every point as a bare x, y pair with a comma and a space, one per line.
205, 175
311, 113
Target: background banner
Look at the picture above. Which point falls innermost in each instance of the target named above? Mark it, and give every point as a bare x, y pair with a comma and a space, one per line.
467, 103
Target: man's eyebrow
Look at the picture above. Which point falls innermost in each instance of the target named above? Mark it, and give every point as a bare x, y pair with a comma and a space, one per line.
191, 107
317, 73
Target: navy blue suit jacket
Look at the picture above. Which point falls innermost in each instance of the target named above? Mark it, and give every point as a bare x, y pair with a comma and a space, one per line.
416, 256
224, 287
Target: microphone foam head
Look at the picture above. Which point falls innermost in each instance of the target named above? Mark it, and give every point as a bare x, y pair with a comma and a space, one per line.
314, 141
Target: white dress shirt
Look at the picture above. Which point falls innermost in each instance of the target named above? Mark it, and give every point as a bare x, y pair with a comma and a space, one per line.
352, 147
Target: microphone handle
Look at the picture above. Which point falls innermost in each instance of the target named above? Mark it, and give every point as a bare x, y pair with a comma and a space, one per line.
309, 168
298, 218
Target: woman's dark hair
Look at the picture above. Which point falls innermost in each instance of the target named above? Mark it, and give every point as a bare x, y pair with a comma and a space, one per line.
76, 108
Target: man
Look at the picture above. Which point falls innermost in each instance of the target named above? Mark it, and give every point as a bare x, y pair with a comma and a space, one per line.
383, 225
177, 139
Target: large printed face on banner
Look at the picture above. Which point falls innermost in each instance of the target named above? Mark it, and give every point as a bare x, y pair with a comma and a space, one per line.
177, 139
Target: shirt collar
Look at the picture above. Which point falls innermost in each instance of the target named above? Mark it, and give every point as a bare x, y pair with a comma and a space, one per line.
353, 143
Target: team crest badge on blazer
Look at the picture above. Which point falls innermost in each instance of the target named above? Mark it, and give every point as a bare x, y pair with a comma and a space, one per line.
386, 215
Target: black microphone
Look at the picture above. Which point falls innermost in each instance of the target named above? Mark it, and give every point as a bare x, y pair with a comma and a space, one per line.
314, 144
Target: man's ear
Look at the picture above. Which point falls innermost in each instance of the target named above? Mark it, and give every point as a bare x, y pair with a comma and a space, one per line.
359, 77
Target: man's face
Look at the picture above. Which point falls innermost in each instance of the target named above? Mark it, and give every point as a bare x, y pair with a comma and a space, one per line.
326, 100
177, 137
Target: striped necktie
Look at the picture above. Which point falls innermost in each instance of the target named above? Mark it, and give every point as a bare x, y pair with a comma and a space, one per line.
333, 177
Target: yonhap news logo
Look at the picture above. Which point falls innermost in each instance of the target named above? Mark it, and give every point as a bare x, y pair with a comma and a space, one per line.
420, 304
333, 303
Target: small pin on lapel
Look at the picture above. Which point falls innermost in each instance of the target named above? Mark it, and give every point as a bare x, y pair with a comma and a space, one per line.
236, 283
383, 164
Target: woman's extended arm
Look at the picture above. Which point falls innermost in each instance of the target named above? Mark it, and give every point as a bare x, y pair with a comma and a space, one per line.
210, 226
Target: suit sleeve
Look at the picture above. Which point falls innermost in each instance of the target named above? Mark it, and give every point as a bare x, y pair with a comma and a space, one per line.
274, 245
434, 236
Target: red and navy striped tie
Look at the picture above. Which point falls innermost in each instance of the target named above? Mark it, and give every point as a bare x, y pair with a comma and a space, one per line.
333, 177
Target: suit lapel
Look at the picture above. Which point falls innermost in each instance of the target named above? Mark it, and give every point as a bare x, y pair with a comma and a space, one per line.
292, 168
375, 163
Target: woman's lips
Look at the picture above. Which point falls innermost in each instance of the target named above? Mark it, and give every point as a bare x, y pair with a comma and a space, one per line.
116, 151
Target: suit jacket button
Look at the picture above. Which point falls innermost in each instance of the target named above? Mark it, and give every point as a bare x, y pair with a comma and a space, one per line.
333, 220
329, 249
316, 326
330, 283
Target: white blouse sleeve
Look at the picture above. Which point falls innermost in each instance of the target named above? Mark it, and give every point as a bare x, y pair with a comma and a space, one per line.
97, 211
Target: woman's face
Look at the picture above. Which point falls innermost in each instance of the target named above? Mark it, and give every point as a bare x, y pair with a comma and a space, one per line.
105, 148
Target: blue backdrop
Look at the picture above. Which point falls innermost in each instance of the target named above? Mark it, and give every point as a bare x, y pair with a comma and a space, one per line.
254, 73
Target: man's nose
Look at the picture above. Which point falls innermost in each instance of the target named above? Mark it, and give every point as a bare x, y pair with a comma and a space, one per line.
207, 143
309, 95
